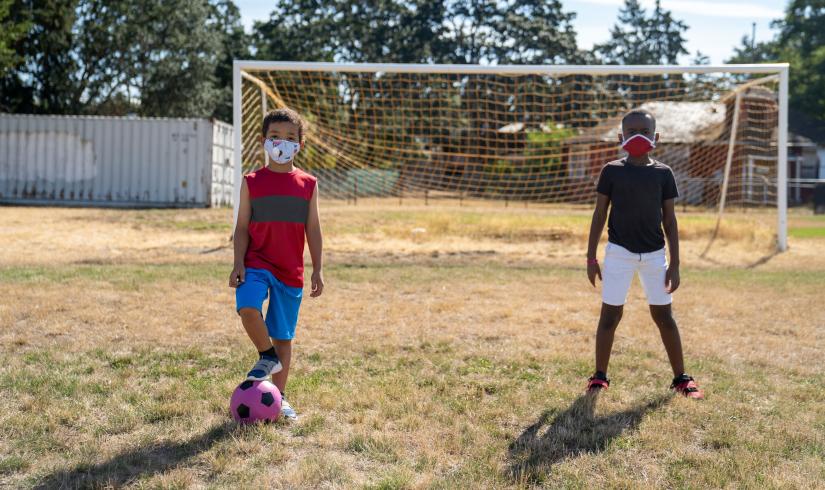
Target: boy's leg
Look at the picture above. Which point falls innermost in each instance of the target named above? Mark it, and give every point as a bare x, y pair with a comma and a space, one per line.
281, 319
284, 350
617, 274
255, 328
608, 321
663, 316
249, 298
682, 383
652, 273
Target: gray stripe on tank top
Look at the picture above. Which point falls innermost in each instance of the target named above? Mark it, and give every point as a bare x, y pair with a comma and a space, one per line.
291, 209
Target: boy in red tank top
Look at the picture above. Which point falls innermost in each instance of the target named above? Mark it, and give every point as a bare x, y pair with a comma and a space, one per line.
278, 208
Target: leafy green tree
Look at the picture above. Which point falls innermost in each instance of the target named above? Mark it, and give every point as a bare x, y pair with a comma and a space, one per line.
300, 30
420, 31
801, 42
113, 56
173, 55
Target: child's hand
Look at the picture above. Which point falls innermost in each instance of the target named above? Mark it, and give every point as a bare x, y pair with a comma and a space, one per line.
317, 284
238, 276
672, 279
593, 270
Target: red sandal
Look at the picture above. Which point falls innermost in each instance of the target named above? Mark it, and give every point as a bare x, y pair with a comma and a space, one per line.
597, 382
684, 385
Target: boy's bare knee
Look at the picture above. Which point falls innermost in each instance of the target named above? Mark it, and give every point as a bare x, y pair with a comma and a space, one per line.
663, 316
610, 317
249, 314
281, 342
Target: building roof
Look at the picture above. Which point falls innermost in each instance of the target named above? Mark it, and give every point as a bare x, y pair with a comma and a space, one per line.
676, 122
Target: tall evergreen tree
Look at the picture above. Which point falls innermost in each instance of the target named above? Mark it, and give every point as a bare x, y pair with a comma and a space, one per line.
12, 29
639, 39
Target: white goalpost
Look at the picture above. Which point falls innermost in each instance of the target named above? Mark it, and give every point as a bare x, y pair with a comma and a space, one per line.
521, 132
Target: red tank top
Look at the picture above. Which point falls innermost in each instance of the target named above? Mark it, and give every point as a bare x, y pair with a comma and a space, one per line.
280, 207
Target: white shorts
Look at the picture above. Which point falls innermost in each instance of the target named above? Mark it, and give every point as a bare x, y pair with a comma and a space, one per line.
620, 265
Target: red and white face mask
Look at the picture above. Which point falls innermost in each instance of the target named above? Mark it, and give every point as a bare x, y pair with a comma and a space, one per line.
638, 145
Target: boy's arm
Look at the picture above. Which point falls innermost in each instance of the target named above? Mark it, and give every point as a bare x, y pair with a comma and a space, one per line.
241, 238
596, 228
315, 241
671, 228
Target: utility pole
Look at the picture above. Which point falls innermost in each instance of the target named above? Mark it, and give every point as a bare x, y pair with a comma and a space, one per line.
753, 42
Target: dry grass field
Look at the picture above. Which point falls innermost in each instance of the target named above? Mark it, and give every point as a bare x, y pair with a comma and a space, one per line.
449, 350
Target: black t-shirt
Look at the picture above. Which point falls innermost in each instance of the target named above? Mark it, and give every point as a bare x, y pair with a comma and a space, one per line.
636, 195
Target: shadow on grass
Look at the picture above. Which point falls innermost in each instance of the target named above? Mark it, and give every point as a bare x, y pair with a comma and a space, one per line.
143, 461
763, 260
557, 436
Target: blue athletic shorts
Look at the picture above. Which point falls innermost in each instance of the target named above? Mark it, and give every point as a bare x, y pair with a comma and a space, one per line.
284, 302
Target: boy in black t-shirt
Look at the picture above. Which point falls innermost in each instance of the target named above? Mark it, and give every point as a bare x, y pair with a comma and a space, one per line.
639, 192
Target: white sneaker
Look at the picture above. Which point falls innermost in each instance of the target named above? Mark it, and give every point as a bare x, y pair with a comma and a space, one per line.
287, 411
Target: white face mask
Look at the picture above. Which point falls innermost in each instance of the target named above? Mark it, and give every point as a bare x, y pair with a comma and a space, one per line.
281, 151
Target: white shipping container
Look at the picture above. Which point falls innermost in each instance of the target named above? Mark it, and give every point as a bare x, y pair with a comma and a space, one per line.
115, 161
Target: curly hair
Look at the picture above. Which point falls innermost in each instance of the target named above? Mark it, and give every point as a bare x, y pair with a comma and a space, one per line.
285, 115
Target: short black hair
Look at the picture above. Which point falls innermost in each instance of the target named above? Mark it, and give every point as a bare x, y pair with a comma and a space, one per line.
284, 114
640, 112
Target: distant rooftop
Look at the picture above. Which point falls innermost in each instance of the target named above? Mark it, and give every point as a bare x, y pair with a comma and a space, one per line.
676, 122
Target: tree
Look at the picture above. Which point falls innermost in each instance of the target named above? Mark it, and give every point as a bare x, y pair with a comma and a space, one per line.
417, 31
536, 32
173, 54
225, 18
12, 30
754, 52
96, 56
46, 55
641, 40
300, 30
801, 42
803, 27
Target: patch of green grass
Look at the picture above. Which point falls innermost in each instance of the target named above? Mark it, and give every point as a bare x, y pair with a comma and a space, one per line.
12, 464
126, 277
779, 280
806, 232
391, 480
135, 277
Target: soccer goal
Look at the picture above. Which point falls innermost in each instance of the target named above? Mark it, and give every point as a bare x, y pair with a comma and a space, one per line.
519, 132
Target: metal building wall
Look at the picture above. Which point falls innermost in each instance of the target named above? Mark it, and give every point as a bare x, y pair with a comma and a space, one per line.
106, 161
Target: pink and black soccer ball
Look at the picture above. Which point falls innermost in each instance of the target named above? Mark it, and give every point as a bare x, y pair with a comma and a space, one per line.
255, 401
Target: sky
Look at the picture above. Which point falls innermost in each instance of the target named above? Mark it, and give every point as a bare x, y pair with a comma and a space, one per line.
715, 27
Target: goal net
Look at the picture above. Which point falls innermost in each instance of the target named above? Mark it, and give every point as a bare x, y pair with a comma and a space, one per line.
518, 133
